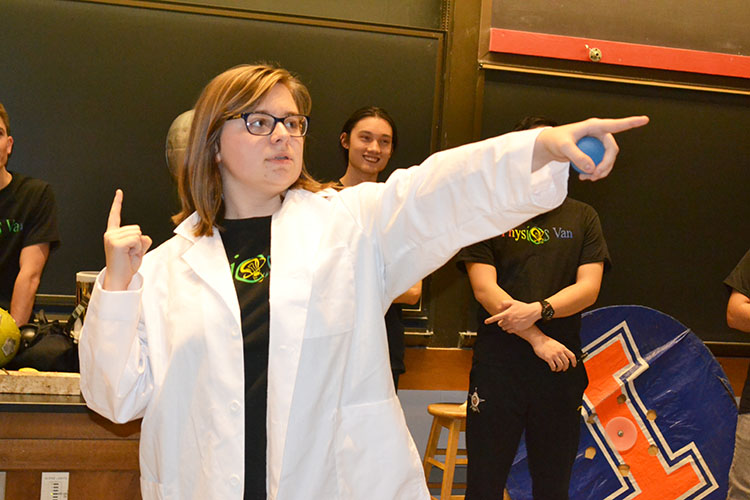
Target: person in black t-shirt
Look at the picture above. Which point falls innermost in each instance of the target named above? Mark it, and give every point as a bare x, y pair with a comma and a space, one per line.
738, 317
368, 140
532, 283
28, 231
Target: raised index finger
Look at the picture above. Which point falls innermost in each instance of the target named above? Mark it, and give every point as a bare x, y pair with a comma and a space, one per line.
113, 222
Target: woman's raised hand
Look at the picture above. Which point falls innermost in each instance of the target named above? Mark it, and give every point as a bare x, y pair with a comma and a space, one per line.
124, 248
559, 143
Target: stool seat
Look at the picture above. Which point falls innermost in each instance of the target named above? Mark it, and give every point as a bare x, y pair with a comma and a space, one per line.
447, 410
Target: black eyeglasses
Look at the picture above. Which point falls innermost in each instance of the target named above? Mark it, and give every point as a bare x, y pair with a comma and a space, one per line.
264, 124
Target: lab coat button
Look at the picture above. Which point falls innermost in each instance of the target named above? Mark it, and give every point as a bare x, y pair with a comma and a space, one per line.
234, 480
235, 406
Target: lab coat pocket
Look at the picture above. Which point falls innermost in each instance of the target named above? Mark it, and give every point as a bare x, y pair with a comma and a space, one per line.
152, 490
332, 300
375, 454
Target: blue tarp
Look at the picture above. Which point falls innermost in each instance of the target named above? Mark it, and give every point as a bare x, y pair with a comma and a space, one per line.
675, 394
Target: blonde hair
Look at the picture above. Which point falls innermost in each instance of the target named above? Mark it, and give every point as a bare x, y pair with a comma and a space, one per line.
234, 91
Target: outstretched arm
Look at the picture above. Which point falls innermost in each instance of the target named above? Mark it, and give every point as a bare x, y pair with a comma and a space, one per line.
423, 215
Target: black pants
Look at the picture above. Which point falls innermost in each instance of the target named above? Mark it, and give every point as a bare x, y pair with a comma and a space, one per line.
531, 398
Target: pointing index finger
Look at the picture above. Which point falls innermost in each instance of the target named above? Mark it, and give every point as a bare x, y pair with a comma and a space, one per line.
615, 125
113, 222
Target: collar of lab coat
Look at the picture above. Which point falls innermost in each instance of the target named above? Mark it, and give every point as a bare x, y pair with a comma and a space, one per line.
207, 258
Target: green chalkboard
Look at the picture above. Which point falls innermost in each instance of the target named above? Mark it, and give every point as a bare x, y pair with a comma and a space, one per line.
92, 89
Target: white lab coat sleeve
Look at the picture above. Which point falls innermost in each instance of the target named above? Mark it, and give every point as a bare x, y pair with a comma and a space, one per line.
116, 379
423, 215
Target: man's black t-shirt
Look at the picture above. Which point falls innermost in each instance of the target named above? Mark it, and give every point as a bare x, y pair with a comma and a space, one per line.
534, 261
27, 217
248, 246
739, 279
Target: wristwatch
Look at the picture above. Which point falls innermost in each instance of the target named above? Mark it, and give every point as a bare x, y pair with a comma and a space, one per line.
547, 311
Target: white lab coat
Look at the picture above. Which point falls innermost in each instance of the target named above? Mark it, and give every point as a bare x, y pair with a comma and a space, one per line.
170, 348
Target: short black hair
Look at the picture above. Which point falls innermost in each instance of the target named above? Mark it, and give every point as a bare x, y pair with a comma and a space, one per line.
534, 122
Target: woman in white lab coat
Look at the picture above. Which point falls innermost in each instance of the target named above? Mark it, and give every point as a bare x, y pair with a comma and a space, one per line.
277, 385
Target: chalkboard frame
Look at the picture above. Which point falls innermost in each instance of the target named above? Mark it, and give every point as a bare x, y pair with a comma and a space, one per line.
638, 63
621, 53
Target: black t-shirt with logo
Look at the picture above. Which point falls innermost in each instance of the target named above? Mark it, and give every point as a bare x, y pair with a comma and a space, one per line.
739, 279
534, 261
248, 246
27, 217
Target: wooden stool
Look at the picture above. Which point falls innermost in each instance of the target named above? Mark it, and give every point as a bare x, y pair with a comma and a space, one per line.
452, 416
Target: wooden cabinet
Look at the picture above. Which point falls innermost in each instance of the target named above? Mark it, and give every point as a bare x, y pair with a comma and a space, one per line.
59, 434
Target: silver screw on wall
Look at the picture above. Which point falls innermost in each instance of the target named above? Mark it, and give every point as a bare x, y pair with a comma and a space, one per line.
594, 54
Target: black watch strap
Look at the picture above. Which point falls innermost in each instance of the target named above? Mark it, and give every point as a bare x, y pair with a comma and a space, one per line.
547, 311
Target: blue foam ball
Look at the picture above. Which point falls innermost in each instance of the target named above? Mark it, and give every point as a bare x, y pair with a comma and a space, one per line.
593, 147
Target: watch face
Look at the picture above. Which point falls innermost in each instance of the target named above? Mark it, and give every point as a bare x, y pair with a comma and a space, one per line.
547, 311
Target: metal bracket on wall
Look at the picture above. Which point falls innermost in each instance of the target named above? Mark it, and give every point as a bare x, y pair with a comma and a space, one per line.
466, 339
415, 339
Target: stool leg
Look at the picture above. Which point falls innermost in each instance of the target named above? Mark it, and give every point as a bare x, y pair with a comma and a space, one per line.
432, 444
450, 459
